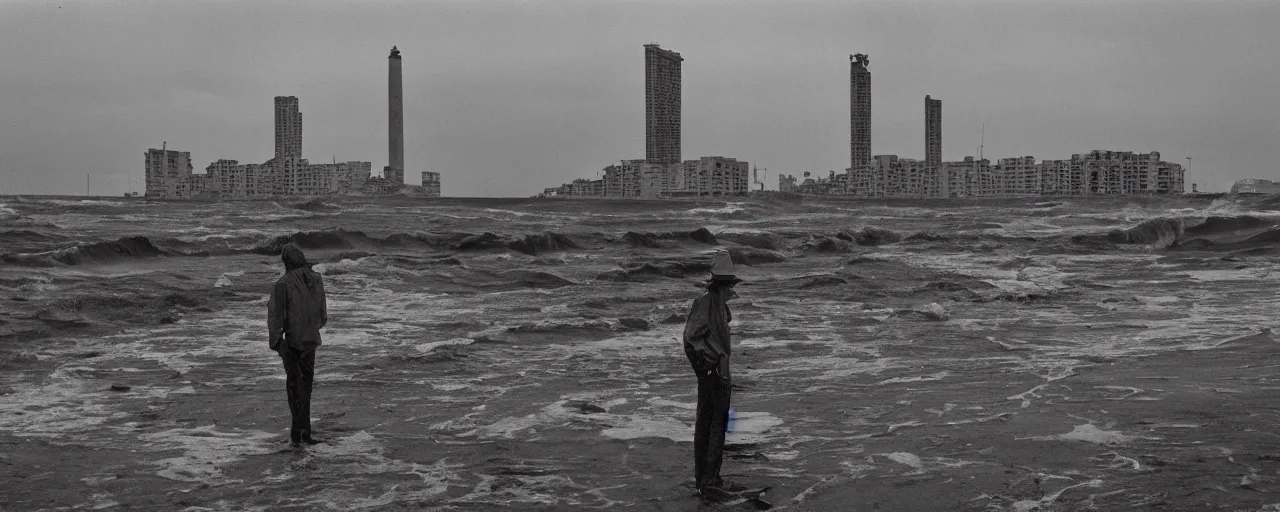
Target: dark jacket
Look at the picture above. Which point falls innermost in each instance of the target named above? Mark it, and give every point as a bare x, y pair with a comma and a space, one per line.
297, 308
706, 335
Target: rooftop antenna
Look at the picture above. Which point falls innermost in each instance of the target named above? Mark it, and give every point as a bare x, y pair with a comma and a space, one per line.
983, 143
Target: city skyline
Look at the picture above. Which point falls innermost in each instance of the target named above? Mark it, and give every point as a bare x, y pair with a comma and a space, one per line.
547, 110
170, 174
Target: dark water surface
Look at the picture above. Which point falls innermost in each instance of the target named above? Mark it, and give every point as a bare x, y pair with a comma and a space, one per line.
1020, 354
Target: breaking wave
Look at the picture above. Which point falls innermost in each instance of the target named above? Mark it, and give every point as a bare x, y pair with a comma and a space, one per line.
95, 252
1220, 225
1158, 232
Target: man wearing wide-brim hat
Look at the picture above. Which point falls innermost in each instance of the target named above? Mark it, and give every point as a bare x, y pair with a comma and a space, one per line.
706, 343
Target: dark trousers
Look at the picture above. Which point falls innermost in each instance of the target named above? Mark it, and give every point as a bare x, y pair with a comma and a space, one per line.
709, 429
300, 369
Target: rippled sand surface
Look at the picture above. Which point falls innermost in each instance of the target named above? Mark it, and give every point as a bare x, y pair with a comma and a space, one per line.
1074, 354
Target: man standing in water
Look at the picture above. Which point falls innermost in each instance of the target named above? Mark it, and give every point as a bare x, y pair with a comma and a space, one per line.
295, 313
706, 344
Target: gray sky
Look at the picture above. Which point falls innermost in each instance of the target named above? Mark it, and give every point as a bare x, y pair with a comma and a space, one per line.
506, 98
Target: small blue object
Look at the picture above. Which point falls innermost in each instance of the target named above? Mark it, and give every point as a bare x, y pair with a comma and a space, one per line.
733, 415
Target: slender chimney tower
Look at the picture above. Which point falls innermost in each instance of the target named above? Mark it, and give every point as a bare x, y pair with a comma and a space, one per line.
394, 172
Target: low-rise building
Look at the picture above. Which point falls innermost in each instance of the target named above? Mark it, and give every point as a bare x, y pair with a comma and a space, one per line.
431, 184
786, 183
229, 179
1094, 173
166, 170
710, 175
1255, 186
716, 175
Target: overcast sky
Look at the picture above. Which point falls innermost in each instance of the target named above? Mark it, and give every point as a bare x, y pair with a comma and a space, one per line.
506, 98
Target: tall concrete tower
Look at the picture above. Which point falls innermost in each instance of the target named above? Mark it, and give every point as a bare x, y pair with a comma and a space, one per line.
288, 145
932, 132
662, 105
394, 172
859, 111
288, 128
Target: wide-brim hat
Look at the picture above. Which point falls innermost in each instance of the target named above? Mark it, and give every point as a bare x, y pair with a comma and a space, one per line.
722, 270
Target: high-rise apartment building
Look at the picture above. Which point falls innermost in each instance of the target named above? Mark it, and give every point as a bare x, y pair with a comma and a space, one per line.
288, 144
662, 105
932, 132
859, 112
288, 128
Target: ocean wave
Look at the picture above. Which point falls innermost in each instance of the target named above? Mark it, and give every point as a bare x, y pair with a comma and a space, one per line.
675, 266
77, 203
641, 240
702, 235
351, 239
533, 279
542, 242
316, 205
1158, 232
844, 240
655, 240
1219, 225
875, 236
727, 208
331, 239
758, 240
1266, 241
27, 240
512, 213
926, 236
482, 241
754, 256
94, 252
730, 211
825, 244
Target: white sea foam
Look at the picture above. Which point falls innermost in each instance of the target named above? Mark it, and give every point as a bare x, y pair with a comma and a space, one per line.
921, 378
225, 279
728, 208
205, 450
905, 458
454, 342
1089, 433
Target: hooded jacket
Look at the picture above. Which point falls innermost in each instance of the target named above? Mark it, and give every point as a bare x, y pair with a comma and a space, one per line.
706, 335
297, 308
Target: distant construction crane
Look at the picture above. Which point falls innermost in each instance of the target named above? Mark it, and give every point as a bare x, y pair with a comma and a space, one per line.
755, 177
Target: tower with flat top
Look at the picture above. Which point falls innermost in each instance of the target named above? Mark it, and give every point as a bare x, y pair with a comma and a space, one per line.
662, 105
932, 132
859, 112
394, 171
